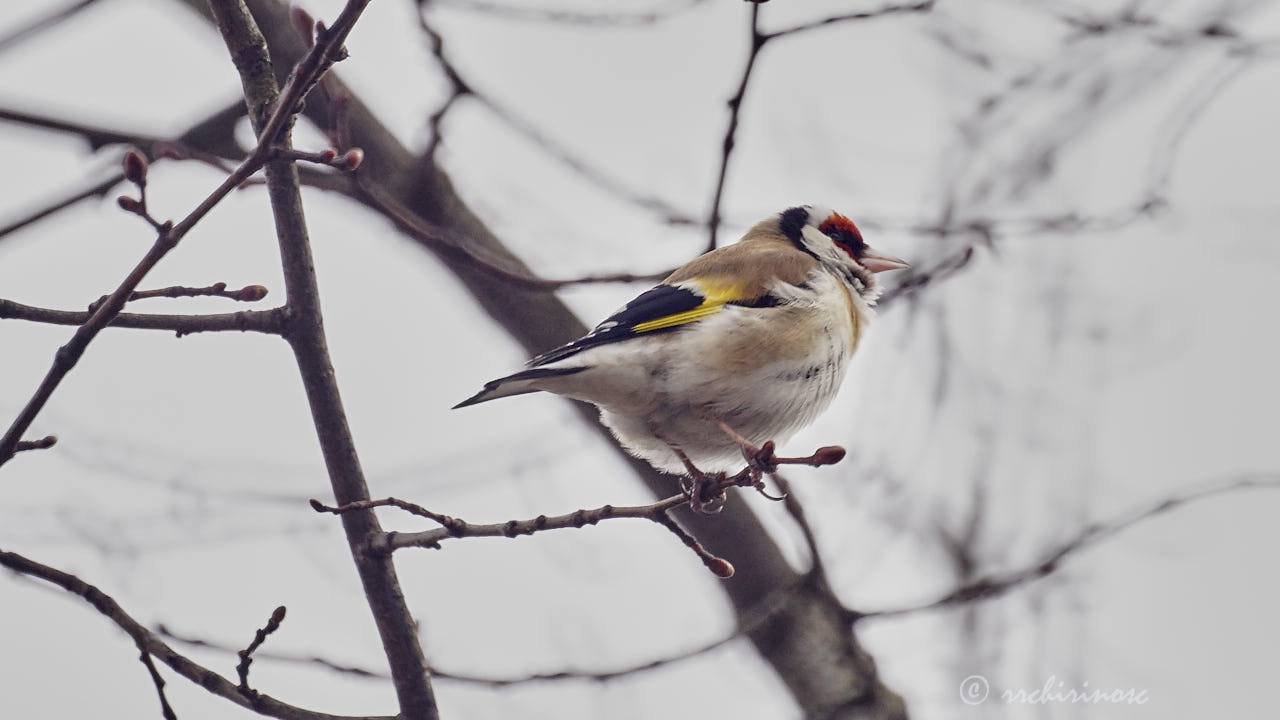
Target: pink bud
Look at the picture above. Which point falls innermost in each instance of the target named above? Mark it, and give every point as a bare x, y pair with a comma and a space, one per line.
829, 455
721, 568
352, 159
252, 293
135, 166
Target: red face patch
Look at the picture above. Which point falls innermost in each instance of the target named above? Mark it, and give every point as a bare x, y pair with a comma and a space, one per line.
844, 234
836, 223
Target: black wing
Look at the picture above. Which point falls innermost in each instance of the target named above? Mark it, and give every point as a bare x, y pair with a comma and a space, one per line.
660, 309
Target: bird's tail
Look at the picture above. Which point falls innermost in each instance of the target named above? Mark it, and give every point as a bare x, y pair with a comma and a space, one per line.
517, 384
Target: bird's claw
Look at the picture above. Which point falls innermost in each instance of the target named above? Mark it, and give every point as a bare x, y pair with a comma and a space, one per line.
760, 488
706, 493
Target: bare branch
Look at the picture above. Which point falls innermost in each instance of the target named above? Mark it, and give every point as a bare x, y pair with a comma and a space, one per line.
995, 585
887, 10
460, 88
750, 620
248, 293
97, 137
40, 24
153, 646
262, 321
452, 527
43, 443
164, 631
305, 75
450, 243
305, 332
246, 655
165, 709
757, 40
572, 17
99, 189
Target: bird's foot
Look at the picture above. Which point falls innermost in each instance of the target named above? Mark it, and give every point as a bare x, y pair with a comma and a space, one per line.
706, 493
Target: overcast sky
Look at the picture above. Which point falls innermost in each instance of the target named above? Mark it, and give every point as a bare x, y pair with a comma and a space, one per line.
1065, 377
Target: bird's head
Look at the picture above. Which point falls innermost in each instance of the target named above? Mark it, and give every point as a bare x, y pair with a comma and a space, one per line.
836, 242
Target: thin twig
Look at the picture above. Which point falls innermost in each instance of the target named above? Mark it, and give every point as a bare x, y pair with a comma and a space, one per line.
165, 709
758, 41
305, 75
573, 17
749, 620
452, 527
43, 443
995, 585
461, 88
796, 510
246, 655
149, 643
248, 293
887, 10
262, 321
45, 22
450, 243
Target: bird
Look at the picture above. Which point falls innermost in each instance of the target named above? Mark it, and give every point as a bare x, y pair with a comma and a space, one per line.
736, 350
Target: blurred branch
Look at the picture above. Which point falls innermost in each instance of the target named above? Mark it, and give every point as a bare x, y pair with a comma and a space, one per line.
152, 645
263, 321
886, 11
444, 241
164, 631
40, 24
569, 17
995, 585
753, 618
461, 88
96, 136
215, 134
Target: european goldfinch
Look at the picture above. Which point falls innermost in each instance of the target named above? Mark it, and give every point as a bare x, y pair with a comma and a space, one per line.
749, 340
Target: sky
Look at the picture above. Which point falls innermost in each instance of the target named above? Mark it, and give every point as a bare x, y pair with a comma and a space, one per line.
1069, 375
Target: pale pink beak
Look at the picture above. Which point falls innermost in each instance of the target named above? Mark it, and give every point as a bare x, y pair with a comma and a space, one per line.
877, 262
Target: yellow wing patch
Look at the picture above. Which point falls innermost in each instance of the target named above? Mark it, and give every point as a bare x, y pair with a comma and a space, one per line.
716, 295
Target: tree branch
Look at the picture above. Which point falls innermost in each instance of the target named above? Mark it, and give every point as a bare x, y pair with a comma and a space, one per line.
452, 527
757, 40
808, 642
40, 24
152, 645
994, 585
262, 321
305, 331
166, 710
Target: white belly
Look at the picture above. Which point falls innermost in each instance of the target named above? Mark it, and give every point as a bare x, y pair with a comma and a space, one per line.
737, 366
